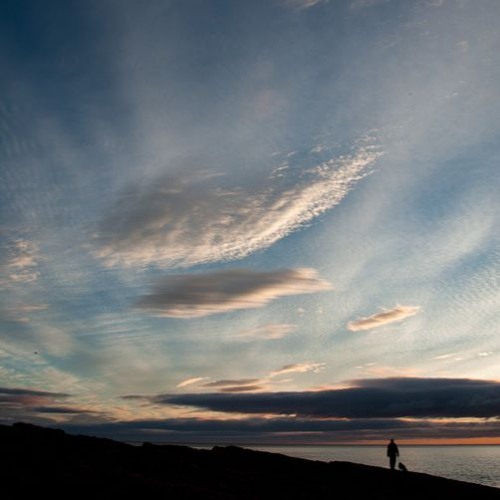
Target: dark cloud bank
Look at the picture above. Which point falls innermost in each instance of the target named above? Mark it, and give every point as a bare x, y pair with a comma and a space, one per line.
370, 409
34, 406
373, 398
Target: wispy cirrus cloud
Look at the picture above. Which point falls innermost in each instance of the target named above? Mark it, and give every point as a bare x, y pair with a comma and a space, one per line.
199, 217
28, 308
22, 312
364, 4
196, 295
20, 265
303, 4
298, 368
271, 331
380, 319
446, 356
191, 381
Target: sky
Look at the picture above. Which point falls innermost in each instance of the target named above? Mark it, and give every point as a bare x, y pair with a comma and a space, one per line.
273, 221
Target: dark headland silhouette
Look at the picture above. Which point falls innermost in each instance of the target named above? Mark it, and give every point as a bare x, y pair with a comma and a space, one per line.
37, 462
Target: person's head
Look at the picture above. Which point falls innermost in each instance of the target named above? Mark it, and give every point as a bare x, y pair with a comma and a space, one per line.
392, 440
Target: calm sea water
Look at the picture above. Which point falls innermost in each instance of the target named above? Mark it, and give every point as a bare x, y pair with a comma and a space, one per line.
476, 464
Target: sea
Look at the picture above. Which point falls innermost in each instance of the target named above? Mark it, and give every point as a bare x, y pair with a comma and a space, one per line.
475, 464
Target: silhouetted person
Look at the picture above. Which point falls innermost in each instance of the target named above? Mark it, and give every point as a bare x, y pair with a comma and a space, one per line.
392, 453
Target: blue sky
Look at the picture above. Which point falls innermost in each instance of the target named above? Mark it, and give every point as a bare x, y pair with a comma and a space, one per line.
225, 197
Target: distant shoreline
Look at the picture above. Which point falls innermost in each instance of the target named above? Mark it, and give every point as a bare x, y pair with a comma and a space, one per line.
291, 445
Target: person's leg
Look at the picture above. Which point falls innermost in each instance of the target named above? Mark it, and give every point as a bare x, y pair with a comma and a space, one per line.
392, 462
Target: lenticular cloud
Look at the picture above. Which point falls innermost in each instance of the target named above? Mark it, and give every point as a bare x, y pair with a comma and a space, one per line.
196, 295
197, 218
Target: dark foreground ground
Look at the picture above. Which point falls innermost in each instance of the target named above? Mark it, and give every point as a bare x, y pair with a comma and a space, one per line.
38, 463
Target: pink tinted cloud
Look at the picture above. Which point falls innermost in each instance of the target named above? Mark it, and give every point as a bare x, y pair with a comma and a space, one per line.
399, 313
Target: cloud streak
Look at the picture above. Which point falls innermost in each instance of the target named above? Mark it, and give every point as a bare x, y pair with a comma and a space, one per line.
246, 384
384, 318
271, 331
22, 400
190, 381
242, 388
298, 368
186, 219
15, 391
22, 312
238, 385
363, 4
196, 295
229, 383
303, 4
62, 410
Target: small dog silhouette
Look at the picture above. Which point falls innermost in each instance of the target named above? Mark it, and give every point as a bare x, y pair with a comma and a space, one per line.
402, 466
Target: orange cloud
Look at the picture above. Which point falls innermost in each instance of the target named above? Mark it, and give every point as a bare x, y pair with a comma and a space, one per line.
387, 316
